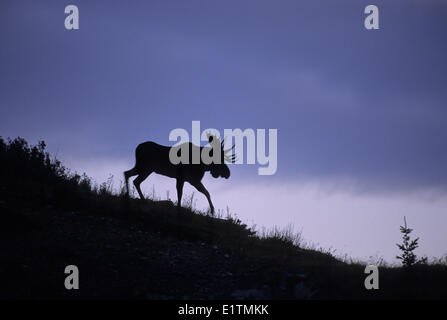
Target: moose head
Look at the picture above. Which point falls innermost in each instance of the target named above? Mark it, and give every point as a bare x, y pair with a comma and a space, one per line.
219, 168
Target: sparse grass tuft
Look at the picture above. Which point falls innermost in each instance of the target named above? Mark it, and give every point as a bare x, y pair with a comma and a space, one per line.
286, 235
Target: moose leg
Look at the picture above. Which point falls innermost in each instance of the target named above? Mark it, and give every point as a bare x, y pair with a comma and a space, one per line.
138, 180
127, 174
180, 184
201, 188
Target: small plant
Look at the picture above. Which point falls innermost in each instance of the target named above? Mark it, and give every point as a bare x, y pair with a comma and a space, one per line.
408, 257
106, 188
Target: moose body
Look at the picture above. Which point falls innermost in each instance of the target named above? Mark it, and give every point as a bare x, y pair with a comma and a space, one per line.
151, 157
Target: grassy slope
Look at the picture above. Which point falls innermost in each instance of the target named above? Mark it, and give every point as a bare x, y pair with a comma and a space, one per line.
126, 248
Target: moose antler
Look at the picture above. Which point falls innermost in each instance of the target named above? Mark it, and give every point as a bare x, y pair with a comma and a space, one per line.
229, 149
231, 158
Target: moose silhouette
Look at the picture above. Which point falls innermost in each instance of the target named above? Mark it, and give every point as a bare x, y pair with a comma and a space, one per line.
151, 157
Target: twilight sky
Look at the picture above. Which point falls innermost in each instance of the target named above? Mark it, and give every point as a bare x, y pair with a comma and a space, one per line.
361, 115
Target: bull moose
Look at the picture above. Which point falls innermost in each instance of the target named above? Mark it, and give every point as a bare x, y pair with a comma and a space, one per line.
151, 157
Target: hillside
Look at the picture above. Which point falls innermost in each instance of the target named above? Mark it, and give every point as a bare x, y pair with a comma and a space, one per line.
132, 249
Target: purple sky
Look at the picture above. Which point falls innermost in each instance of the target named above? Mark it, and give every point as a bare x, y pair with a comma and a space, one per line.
361, 115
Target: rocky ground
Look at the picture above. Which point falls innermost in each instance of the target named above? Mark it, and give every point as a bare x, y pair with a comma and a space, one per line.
128, 255
118, 258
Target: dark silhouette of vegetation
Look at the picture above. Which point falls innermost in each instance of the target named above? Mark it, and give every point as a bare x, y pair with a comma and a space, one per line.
144, 249
408, 246
31, 174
